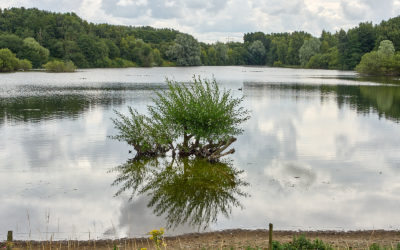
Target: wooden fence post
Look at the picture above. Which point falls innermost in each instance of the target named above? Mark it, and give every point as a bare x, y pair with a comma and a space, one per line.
270, 236
9, 236
9, 240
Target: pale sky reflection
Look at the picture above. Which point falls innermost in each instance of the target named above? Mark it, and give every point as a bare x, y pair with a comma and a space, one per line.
311, 163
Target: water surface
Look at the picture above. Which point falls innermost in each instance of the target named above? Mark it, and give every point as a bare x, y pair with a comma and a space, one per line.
321, 151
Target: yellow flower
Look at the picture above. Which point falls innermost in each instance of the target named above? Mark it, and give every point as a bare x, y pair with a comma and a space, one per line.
151, 237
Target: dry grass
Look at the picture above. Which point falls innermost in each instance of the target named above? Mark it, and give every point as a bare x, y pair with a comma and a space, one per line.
228, 239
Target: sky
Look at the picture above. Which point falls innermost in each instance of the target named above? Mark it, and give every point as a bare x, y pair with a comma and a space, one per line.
225, 20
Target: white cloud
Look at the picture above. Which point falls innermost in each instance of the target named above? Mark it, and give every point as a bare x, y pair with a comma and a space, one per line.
219, 20
354, 10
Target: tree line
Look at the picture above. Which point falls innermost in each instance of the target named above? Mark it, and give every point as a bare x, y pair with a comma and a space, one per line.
42, 36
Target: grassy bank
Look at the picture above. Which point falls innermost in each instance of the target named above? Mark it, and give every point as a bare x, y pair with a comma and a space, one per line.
238, 239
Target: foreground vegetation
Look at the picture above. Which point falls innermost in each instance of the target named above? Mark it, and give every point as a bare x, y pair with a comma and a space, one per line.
40, 36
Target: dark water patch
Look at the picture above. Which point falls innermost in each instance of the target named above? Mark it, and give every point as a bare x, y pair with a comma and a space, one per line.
38, 108
382, 100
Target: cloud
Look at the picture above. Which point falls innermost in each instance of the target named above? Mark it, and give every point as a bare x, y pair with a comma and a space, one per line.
213, 20
163, 9
355, 10
134, 8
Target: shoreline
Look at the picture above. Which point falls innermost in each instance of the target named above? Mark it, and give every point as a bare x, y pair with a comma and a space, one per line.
230, 239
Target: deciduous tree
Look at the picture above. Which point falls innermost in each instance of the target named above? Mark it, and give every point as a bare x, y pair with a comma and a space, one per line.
197, 119
185, 51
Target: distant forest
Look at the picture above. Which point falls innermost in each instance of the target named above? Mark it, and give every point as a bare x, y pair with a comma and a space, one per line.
42, 36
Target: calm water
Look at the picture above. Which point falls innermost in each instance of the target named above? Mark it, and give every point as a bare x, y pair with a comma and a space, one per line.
321, 151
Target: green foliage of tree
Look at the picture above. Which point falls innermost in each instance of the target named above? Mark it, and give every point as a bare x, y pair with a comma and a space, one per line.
113, 50
34, 52
278, 49
73, 52
144, 54
370, 64
203, 56
122, 63
309, 49
221, 53
389, 30
381, 62
296, 40
60, 66
257, 53
8, 61
68, 37
354, 43
193, 119
24, 65
328, 60
238, 55
157, 57
212, 56
93, 49
12, 42
328, 40
137, 51
278, 64
386, 48
185, 51
318, 61
257, 36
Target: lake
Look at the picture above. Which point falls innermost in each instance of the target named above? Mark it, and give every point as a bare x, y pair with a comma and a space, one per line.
320, 152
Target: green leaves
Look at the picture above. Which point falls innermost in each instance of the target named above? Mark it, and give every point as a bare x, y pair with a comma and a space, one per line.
34, 52
9, 62
60, 66
143, 134
309, 48
185, 51
381, 62
201, 109
198, 118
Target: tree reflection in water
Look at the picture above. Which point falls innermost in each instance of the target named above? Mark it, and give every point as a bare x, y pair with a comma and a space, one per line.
381, 99
192, 191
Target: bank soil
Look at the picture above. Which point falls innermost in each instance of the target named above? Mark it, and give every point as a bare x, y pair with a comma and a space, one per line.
230, 239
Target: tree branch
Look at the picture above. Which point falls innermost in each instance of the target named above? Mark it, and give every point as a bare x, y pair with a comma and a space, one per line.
227, 144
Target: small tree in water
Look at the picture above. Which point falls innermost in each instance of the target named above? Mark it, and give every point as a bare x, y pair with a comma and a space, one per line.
197, 119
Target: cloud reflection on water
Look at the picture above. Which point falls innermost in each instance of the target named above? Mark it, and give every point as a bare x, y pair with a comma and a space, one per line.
342, 142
